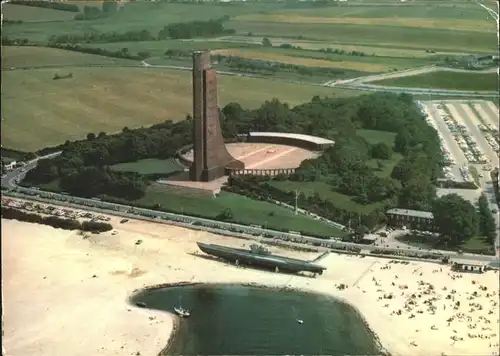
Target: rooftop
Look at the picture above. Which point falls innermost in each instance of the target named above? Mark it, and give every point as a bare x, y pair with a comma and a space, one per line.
314, 139
409, 212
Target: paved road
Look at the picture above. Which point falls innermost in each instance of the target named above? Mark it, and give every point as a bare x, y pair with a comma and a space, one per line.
189, 222
362, 83
9, 179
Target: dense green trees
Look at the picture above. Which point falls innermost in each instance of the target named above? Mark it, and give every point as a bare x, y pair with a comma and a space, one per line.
456, 219
102, 37
82, 167
54, 221
193, 29
487, 225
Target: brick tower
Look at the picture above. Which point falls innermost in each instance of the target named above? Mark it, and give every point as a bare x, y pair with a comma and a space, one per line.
210, 154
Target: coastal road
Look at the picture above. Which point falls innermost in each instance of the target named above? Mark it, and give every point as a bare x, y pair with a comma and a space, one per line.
188, 221
9, 179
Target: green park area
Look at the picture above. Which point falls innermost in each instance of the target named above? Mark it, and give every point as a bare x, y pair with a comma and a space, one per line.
232, 207
446, 80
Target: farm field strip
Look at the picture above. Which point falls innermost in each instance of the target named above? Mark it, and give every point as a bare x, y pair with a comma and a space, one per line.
309, 62
487, 119
14, 12
446, 24
29, 56
464, 115
384, 36
382, 51
448, 136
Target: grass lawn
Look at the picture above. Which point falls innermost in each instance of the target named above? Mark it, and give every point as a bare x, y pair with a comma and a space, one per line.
245, 210
476, 244
148, 166
376, 136
38, 111
324, 190
446, 80
34, 14
27, 56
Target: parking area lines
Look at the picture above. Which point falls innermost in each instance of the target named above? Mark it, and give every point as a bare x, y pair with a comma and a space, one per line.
485, 117
470, 119
449, 145
492, 109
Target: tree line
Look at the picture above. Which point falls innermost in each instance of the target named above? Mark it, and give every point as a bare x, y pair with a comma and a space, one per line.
54, 221
83, 167
184, 30
108, 8
121, 53
47, 5
265, 67
457, 220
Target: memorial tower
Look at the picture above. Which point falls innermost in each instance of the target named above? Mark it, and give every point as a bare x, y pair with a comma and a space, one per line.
210, 154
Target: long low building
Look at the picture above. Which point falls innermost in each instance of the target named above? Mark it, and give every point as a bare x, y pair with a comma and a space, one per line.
308, 142
254, 257
412, 219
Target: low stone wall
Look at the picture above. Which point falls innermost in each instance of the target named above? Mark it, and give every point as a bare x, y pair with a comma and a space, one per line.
260, 172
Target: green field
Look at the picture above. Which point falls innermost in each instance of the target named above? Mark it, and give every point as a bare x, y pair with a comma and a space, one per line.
148, 166
135, 16
376, 136
26, 57
446, 80
324, 190
244, 210
13, 12
38, 111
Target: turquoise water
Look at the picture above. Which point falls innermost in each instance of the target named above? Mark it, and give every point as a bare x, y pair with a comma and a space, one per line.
242, 320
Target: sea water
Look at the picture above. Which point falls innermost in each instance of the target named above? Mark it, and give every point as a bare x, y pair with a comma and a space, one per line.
241, 320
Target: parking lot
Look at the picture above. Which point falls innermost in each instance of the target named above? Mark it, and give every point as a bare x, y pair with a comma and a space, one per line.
51, 210
468, 131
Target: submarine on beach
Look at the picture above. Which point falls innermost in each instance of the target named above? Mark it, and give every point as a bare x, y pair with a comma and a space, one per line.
260, 256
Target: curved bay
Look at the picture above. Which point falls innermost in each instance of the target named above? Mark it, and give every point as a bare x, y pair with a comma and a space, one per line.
228, 319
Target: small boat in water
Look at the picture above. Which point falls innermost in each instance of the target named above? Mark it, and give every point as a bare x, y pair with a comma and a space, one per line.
300, 321
183, 313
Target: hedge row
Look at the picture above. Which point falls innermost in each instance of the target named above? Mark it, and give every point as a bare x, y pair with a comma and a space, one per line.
54, 221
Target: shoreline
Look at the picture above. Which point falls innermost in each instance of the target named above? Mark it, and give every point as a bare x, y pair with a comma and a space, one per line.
56, 267
381, 349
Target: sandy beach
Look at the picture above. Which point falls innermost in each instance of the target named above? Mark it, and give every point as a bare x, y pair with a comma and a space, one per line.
66, 291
